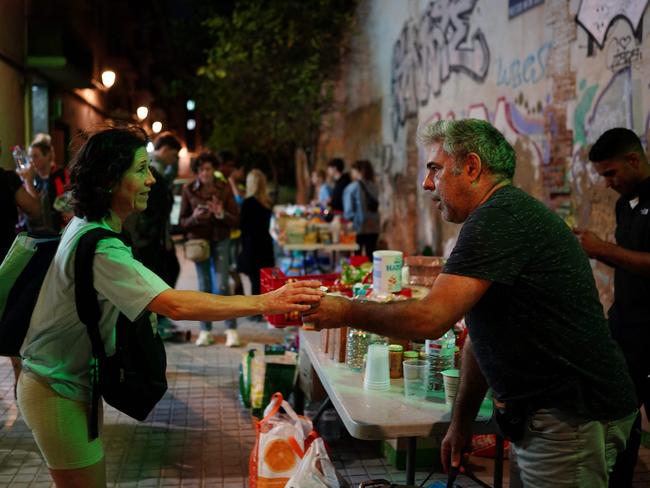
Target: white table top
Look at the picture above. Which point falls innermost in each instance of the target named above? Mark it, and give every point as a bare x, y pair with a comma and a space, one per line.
375, 415
319, 246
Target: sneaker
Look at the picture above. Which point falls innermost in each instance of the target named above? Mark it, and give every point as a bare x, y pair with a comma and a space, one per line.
232, 338
205, 338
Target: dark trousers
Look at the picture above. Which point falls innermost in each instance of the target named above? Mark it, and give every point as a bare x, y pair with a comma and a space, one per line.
635, 343
367, 244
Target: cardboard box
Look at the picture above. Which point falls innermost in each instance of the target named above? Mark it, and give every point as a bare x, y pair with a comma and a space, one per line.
309, 381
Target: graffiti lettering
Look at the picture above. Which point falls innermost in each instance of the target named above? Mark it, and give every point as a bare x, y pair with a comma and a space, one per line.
596, 15
429, 50
622, 52
529, 71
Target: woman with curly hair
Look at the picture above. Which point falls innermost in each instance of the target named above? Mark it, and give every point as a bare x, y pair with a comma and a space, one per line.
110, 179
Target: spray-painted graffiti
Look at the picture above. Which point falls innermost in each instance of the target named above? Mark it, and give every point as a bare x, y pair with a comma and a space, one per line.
528, 70
594, 115
622, 51
596, 15
428, 50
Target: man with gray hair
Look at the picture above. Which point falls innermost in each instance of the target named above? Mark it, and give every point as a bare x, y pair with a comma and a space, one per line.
537, 333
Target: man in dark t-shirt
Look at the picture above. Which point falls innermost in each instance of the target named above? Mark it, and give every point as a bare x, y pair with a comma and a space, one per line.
341, 179
537, 333
619, 158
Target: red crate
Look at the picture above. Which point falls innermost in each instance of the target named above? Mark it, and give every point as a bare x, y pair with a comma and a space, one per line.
272, 279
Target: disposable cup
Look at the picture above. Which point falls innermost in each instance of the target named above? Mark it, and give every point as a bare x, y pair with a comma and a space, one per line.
450, 379
416, 375
377, 376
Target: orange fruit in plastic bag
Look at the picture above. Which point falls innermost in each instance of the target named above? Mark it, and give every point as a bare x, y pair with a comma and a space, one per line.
279, 456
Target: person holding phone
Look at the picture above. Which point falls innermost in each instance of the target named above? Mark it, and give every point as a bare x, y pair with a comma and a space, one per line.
209, 211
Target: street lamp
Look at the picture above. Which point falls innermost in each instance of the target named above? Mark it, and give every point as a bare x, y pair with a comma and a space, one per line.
142, 112
108, 78
156, 127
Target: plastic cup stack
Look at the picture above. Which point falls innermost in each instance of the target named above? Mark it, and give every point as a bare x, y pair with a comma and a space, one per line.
377, 375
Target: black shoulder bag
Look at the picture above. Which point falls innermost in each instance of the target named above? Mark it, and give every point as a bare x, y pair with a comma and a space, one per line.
133, 379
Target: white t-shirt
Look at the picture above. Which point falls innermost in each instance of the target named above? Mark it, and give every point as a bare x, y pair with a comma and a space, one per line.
57, 347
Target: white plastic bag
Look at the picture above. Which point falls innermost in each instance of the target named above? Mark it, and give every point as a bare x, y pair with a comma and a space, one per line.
282, 439
315, 470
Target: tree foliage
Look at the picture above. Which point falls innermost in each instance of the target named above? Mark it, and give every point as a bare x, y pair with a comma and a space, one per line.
264, 84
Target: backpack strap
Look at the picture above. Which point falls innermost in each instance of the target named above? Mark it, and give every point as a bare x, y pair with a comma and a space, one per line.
89, 311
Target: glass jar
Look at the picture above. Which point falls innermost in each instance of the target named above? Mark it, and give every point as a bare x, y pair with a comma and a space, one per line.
357, 346
395, 352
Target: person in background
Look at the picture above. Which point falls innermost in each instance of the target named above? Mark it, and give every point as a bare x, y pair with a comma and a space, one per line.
257, 245
335, 171
110, 179
209, 211
149, 231
537, 332
322, 190
165, 156
14, 198
46, 183
361, 206
231, 169
619, 158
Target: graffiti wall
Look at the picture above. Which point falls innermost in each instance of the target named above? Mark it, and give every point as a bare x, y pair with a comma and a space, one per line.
552, 77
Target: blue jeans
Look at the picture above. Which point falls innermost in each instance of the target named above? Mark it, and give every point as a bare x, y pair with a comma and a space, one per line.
213, 275
562, 450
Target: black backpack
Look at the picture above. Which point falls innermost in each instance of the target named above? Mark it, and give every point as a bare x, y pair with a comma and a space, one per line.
133, 379
372, 204
22, 297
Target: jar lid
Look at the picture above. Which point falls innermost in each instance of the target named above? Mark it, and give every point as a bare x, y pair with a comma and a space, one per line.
411, 355
395, 348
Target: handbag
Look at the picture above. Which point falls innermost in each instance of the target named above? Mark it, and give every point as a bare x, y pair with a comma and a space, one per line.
133, 379
197, 250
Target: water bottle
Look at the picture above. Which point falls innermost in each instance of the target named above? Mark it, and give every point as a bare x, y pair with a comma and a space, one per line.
440, 353
20, 158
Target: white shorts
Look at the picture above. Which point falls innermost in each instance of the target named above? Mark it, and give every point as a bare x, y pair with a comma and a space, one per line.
59, 425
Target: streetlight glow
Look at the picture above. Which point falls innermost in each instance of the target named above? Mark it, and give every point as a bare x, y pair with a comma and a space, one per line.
191, 124
142, 112
108, 78
191, 104
156, 126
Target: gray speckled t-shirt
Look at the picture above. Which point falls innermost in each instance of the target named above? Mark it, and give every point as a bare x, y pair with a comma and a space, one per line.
539, 333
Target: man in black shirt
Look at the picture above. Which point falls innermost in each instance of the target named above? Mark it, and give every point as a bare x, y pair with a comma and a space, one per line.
618, 156
335, 170
537, 331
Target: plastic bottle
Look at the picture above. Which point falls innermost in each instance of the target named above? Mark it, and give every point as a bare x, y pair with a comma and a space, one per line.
336, 229
20, 157
440, 353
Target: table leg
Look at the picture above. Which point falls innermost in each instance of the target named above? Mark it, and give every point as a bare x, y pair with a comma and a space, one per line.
410, 460
327, 403
298, 399
498, 462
